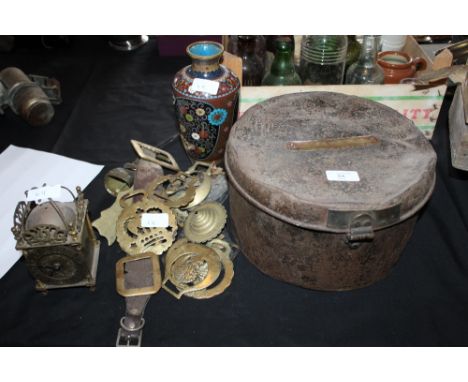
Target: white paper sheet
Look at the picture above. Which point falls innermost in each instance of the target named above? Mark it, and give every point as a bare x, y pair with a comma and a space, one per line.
20, 170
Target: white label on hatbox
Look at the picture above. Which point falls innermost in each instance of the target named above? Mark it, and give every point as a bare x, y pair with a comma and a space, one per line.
205, 86
43, 193
155, 220
342, 176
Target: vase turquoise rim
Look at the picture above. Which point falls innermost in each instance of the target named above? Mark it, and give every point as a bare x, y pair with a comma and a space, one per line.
205, 50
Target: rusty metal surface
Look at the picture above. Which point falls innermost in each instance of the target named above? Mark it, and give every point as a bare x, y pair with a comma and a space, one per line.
314, 259
296, 225
291, 185
458, 128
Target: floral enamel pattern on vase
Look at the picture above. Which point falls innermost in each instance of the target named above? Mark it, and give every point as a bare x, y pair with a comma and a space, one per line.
205, 98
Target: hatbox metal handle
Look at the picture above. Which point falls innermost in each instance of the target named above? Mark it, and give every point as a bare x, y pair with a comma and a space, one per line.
333, 143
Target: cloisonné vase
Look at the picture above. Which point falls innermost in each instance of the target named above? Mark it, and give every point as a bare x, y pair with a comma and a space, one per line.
205, 98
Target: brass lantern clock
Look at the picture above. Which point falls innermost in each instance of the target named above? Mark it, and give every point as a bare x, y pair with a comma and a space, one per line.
57, 242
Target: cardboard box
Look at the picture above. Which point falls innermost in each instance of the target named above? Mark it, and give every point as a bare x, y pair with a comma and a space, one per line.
421, 106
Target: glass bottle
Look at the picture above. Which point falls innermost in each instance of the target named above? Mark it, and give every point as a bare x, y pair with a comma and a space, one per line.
282, 70
270, 49
353, 52
366, 70
252, 63
323, 59
233, 45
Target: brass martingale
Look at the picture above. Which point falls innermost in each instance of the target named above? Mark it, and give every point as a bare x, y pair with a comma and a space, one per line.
120, 269
223, 250
200, 171
196, 259
134, 238
205, 222
119, 179
105, 224
196, 270
174, 190
155, 155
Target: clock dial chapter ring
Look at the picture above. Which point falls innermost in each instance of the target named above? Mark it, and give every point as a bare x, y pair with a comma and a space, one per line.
58, 266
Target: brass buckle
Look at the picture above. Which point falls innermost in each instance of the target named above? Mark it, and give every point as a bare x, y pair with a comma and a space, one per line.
129, 339
155, 155
132, 292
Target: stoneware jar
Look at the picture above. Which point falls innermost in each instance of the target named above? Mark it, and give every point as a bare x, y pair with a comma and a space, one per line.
205, 98
398, 66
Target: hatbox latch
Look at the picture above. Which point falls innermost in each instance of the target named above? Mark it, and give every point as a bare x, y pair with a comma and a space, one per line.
360, 229
361, 225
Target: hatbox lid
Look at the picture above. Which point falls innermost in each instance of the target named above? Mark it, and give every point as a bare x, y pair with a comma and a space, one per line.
321, 160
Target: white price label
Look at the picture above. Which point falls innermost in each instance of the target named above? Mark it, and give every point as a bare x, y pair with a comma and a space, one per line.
342, 176
42, 193
155, 220
205, 86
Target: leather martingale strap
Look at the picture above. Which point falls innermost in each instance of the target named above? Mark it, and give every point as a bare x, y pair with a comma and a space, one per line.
137, 277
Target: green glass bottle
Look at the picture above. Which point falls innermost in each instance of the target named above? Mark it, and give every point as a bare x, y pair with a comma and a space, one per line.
282, 70
353, 52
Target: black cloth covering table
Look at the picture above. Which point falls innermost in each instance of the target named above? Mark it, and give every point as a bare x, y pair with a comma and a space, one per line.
111, 97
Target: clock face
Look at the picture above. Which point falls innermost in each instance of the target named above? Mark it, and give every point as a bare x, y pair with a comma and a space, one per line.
57, 265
